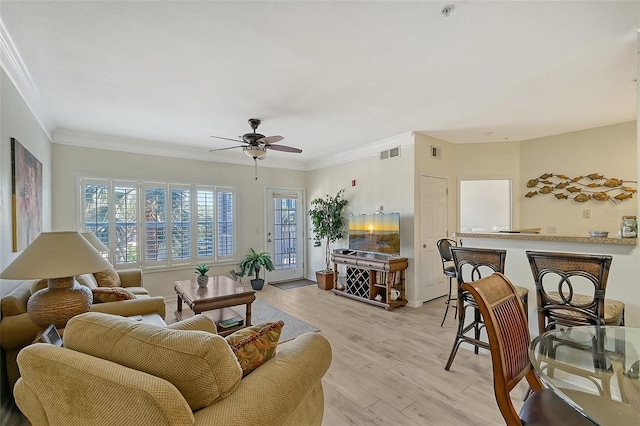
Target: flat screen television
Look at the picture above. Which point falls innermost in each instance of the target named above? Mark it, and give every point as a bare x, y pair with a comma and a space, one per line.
375, 233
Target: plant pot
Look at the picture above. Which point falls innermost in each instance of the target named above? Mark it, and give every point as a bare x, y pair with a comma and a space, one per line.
257, 284
324, 280
203, 280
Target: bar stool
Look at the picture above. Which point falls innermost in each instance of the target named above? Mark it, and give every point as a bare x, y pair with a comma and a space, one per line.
473, 264
570, 291
448, 269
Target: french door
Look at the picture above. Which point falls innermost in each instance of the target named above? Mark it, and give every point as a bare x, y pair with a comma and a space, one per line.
285, 233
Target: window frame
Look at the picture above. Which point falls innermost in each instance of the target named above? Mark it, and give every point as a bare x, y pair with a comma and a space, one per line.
169, 261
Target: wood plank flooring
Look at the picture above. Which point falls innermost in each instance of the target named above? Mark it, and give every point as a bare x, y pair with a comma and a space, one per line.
388, 366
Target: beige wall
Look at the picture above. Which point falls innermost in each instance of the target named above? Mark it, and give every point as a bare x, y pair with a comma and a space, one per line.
610, 151
17, 121
378, 182
72, 162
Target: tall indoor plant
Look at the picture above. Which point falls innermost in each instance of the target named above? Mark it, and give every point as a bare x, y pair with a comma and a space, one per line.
253, 263
327, 222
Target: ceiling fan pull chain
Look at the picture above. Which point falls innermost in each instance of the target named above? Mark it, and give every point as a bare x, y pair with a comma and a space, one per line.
255, 165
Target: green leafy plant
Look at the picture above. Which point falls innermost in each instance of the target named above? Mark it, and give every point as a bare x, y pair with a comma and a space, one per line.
254, 262
202, 269
328, 222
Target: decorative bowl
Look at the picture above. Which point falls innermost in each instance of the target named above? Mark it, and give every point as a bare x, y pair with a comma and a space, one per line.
598, 234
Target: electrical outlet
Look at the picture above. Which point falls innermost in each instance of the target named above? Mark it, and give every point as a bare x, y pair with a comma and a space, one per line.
551, 229
586, 214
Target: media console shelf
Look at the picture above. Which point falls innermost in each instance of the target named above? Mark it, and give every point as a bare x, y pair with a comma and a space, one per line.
369, 275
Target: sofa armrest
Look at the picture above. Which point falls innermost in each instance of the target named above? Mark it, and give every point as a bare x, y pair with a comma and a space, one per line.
130, 277
292, 374
127, 308
95, 391
197, 323
17, 331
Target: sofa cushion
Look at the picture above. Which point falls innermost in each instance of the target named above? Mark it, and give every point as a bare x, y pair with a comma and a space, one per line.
15, 302
87, 280
111, 294
107, 278
138, 291
200, 365
255, 345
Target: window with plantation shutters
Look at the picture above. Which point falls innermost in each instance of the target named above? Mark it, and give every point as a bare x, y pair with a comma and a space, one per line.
160, 224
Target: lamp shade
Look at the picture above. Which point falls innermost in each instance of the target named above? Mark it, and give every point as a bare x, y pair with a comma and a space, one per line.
56, 255
95, 241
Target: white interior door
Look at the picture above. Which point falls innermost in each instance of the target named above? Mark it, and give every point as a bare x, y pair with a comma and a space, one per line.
433, 226
285, 233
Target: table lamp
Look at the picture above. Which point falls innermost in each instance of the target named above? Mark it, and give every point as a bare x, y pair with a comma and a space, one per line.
57, 257
95, 242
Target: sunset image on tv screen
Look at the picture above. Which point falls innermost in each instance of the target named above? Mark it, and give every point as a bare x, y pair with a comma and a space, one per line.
378, 233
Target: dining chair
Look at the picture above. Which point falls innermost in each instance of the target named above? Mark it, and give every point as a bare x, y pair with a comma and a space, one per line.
508, 332
448, 269
570, 290
472, 264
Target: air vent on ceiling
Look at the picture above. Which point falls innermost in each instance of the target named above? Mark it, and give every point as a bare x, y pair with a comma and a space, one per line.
389, 153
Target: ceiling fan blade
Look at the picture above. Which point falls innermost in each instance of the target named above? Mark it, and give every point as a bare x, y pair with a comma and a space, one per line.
224, 149
284, 148
228, 139
270, 139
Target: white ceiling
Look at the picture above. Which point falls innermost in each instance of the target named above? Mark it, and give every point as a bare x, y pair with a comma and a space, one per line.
328, 76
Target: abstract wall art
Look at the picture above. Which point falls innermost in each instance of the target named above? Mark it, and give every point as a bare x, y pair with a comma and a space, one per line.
26, 185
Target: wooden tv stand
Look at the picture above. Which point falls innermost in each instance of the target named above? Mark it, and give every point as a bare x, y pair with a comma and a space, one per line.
370, 275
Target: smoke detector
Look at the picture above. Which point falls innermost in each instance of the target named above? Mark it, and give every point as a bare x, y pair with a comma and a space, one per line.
446, 11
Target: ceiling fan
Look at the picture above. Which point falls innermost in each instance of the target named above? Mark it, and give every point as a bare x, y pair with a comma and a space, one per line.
255, 145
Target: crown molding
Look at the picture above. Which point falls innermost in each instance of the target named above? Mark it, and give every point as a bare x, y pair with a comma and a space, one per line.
17, 71
147, 147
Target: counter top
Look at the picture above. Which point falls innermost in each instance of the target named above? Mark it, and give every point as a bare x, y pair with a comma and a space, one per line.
546, 237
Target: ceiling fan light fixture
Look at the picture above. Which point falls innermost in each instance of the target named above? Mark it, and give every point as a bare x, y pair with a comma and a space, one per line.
255, 151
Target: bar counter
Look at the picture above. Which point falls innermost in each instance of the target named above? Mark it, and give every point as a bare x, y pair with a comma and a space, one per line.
546, 237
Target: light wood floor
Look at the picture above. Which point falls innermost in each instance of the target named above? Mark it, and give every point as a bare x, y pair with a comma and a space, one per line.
388, 366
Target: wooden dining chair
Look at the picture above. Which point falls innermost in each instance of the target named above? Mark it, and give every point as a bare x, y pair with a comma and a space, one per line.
449, 270
508, 333
472, 264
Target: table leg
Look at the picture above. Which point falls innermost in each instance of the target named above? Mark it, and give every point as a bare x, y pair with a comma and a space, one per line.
179, 299
248, 319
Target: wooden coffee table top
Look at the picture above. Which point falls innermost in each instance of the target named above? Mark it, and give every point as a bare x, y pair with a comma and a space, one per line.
220, 292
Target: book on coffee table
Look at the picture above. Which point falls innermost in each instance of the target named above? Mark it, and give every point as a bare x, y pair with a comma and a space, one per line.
230, 322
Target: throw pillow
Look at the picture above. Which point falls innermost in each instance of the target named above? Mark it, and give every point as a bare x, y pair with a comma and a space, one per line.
255, 345
111, 294
107, 278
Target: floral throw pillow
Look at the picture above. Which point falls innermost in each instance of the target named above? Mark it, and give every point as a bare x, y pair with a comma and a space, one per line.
255, 345
110, 294
107, 278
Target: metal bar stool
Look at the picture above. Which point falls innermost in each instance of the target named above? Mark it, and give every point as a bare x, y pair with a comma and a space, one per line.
473, 264
448, 269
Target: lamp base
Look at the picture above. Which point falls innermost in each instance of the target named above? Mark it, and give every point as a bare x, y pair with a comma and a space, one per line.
63, 299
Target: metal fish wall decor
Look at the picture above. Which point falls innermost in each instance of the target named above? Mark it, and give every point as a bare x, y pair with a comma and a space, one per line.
581, 188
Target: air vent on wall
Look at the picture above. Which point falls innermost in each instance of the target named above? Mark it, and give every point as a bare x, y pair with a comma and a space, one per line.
389, 153
435, 151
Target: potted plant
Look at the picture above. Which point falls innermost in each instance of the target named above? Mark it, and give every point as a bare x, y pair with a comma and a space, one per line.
203, 278
327, 222
253, 263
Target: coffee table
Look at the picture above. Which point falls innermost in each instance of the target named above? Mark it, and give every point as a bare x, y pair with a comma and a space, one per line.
215, 300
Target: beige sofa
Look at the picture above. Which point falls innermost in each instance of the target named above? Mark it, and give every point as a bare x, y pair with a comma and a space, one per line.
116, 371
17, 330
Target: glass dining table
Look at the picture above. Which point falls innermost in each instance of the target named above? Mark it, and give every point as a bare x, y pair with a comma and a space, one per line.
594, 369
